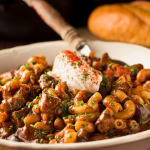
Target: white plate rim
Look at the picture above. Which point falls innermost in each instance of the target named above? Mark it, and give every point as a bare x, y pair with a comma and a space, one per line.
84, 145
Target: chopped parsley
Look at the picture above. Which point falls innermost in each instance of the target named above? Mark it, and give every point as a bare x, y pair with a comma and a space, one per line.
48, 96
9, 87
64, 118
85, 76
11, 107
63, 58
26, 67
86, 115
16, 114
47, 87
33, 62
143, 87
109, 58
105, 111
49, 122
72, 116
65, 106
82, 125
15, 79
148, 123
46, 77
111, 64
22, 117
132, 128
79, 63
143, 105
126, 66
105, 81
29, 104
133, 69
43, 132
10, 128
36, 133
74, 67
20, 104
50, 138
47, 70
102, 84
41, 140
37, 97
80, 103
92, 104
111, 101
65, 96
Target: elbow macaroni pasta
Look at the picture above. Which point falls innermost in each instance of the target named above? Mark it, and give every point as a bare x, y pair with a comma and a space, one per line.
36, 106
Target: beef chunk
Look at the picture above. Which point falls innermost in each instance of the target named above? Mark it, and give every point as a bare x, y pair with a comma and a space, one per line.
87, 59
7, 128
13, 103
135, 68
35, 91
142, 114
20, 116
82, 136
34, 79
61, 90
47, 81
49, 103
105, 121
29, 134
105, 88
82, 95
124, 87
24, 90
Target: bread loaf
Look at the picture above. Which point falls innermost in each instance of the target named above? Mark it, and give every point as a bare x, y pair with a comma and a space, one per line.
128, 23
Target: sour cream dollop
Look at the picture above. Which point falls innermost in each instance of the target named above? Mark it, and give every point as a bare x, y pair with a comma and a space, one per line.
78, 74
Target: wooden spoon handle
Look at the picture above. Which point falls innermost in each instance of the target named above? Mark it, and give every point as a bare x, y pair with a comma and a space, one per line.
54, 20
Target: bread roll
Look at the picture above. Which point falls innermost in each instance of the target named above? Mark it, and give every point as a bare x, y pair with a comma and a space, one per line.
128, 23
142, 4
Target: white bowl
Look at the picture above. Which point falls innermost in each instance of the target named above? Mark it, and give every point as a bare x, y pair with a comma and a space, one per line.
131, 54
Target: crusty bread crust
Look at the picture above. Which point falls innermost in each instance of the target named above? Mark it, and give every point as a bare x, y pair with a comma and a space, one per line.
121, 22
142, 4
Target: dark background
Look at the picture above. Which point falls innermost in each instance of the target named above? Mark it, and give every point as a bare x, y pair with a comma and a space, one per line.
19, 24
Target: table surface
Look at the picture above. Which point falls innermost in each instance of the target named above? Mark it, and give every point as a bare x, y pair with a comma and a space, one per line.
139, 145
